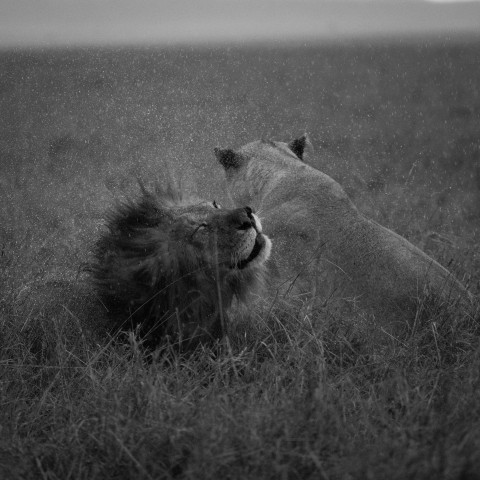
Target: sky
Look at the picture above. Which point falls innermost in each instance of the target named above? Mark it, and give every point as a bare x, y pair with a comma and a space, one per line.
51, 23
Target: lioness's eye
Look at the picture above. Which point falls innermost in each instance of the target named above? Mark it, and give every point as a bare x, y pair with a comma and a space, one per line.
216, 205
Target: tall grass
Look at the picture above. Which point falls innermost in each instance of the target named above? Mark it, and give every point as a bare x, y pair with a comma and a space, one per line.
298, 396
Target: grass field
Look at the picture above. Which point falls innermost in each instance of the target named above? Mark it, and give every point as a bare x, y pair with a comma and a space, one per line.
297, 395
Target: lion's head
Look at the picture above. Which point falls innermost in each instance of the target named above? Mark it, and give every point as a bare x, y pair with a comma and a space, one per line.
167, 266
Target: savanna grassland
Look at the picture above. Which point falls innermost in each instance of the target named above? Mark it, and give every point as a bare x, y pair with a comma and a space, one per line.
295, 395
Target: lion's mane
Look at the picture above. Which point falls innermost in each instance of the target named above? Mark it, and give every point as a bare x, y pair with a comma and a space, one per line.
154, 276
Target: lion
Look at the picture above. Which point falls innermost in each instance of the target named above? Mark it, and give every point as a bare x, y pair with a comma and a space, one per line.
319, 235
169, 267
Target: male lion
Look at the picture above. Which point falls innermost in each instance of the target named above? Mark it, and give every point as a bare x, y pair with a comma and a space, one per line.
168, 267
318, 232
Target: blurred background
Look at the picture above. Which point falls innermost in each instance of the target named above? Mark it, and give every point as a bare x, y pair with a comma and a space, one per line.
119, 22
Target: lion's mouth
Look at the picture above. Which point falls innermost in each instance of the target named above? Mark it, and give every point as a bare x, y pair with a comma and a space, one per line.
257, 249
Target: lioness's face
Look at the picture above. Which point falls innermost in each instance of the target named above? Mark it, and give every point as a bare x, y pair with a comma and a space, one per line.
232, 238
248, 168
264, 151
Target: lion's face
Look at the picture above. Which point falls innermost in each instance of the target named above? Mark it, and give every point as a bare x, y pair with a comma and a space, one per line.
231, 239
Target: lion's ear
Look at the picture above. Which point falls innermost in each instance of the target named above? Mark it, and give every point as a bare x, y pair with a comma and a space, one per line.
228, 158
299, 145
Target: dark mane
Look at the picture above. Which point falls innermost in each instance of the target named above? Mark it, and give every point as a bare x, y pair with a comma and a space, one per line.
157, 283
149, 282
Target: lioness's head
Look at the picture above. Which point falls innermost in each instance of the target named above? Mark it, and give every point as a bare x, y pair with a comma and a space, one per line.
251, 166
168, 266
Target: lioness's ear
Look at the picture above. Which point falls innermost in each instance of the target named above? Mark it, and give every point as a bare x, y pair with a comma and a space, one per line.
299, 145
227, 157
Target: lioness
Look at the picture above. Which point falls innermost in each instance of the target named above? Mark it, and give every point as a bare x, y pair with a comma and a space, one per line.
168, 266
318, 232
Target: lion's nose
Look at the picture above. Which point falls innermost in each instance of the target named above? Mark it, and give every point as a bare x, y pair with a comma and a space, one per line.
249, 222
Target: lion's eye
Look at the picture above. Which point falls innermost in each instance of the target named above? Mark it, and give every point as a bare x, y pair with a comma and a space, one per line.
216, 205
200, 227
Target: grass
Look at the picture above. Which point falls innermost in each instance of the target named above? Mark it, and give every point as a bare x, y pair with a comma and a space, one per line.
297, 394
